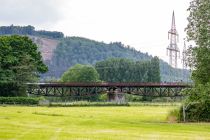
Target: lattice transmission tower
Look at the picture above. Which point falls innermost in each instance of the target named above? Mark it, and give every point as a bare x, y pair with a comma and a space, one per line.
173, 50
184, 56
184, 63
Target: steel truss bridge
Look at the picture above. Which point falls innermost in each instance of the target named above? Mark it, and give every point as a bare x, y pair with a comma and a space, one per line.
90, 89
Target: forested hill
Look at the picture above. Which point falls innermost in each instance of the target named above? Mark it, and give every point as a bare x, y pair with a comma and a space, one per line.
73, 50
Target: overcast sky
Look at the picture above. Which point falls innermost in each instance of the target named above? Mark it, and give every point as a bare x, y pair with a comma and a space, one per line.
142, 24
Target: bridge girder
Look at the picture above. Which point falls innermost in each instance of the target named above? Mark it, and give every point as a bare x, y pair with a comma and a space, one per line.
90, 89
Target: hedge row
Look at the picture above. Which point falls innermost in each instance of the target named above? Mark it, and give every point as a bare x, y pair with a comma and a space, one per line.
86, 103
19, 100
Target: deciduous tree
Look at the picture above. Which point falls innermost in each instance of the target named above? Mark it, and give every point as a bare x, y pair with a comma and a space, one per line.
198, 103
198, 31
80, 73
20, 62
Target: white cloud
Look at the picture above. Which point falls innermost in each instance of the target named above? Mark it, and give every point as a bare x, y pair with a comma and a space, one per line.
34, 12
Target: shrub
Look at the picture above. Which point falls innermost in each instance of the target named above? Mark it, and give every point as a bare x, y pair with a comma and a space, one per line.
20, 100
197, 104
8, 89
133, 98
196, 112
174, 116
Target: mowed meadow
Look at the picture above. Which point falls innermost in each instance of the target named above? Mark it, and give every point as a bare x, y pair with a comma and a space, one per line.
96, 123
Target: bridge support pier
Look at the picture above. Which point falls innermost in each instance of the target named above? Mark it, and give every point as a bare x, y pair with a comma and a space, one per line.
116, 96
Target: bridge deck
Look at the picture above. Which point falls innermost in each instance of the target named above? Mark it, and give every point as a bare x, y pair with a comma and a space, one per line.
103, 84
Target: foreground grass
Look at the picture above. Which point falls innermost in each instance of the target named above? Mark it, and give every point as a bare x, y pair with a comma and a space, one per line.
97, 123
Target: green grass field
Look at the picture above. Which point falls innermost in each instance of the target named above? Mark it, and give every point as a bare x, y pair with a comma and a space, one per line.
97, 123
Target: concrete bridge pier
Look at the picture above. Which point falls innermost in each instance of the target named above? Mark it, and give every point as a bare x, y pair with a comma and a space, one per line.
116, 96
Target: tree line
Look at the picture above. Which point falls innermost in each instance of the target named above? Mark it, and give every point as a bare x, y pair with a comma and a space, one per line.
126, 70
115, 70
29, 30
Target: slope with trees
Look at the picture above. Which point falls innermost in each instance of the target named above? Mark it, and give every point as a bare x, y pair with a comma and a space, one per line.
76, 50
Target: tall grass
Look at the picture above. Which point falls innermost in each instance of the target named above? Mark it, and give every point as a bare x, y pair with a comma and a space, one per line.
86, 103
